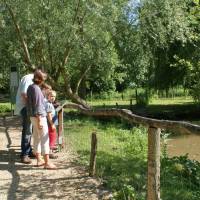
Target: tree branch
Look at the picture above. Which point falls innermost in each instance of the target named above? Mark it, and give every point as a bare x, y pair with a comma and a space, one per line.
81, 78
21, 38
68, 49
74, 97
49, 48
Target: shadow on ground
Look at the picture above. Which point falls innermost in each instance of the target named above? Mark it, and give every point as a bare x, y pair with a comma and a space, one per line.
22, 181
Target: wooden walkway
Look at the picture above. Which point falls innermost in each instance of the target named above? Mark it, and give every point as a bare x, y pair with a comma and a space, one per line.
27, 182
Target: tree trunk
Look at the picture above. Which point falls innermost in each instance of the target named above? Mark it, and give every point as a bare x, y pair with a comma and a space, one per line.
73, 96
82, 77
136, 94
82, 89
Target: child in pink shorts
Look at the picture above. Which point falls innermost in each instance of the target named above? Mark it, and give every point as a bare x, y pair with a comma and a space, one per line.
52, 121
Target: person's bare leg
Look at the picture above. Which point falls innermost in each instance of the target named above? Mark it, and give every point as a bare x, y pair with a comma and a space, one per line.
40, 161
47, 164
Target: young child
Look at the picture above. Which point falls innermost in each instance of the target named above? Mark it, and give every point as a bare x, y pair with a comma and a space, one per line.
45, 88
52, 122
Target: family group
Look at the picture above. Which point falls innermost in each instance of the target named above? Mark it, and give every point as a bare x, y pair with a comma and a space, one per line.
35, 103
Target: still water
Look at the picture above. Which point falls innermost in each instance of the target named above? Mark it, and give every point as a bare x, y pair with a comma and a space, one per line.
181, 145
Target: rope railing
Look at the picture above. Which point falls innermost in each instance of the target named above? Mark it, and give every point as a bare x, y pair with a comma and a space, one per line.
154, 131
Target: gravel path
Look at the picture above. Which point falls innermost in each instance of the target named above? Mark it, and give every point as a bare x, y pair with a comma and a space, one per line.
27, 182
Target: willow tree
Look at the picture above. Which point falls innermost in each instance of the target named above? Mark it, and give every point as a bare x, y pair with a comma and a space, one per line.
163, 31
70, 39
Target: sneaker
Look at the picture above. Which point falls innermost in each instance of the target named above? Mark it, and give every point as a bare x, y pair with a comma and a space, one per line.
26, 160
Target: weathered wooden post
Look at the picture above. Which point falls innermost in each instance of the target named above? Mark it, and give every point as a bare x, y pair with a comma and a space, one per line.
117, 105
93, 155
153, 182
60, 128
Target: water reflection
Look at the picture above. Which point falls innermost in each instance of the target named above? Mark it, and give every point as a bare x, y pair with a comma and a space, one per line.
181, 145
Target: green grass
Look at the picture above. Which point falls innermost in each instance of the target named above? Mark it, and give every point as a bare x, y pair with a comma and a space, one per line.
172, 101
122, 160
155, 101
116, 144
5, 108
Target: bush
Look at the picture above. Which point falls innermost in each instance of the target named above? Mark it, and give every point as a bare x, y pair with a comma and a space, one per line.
143, 99
195, 92
4, 108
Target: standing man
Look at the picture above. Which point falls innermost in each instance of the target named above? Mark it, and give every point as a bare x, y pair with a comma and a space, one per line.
20, 109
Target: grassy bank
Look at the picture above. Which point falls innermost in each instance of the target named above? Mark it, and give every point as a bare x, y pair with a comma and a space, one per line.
122, 161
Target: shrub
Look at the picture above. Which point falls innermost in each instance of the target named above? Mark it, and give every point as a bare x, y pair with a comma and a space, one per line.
143, 99
4, 108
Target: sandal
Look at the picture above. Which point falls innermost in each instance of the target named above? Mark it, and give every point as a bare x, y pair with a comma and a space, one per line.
39, 164
50, 166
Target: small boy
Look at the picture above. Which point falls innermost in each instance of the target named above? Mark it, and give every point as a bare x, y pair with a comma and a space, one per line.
52, 121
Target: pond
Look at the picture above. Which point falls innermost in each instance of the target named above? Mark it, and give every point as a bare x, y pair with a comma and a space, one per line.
183, 144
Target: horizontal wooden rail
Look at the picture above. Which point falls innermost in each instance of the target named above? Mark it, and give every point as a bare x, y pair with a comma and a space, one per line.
177, 126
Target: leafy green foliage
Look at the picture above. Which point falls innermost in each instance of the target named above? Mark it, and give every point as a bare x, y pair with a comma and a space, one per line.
4, 108
74, 35
184, 181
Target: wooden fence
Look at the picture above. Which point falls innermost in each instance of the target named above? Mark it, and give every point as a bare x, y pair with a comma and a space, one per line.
154, 130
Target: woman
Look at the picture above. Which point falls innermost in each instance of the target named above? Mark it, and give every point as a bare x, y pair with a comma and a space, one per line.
37, 113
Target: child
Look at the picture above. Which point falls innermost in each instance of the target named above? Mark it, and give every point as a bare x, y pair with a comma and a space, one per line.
45, 88
52, 121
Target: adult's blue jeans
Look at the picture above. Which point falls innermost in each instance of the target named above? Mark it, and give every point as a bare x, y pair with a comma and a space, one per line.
26, 133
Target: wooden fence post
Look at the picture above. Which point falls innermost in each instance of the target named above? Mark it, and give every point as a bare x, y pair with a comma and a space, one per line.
93, 154
153, 182
60, 128
117, 105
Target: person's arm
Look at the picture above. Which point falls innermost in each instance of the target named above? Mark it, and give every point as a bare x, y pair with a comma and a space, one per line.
40, 126
50, 120
24, 97
38, 104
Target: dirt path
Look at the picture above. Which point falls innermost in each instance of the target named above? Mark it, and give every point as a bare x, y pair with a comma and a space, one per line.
26, 182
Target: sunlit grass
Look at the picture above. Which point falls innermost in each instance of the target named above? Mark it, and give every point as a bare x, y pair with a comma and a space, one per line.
7, 104
172, 101
5, 108
154, 101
